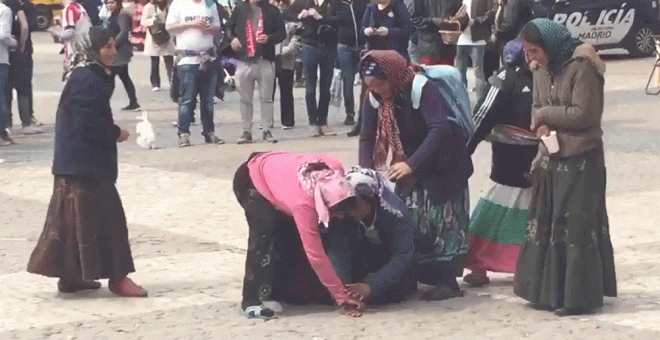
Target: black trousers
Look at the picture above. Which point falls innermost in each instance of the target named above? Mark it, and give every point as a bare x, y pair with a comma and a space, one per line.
122, 72
154, 77
21, 68
285, 81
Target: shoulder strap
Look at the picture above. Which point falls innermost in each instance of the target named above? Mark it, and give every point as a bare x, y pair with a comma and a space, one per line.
418, 84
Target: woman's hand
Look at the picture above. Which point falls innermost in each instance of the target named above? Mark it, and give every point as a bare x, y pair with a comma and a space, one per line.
123, 136
360, 291
236, 44
399, 171
543, 130
382, 31
303, 14
352, 308
369, 31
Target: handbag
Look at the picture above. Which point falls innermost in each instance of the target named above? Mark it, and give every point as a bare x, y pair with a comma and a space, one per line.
159, 34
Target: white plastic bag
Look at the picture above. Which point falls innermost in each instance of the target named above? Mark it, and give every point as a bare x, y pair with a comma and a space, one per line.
146, 138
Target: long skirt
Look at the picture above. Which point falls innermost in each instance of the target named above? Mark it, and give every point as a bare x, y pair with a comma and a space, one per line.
441, 239
497, 227
85, 234
566, 260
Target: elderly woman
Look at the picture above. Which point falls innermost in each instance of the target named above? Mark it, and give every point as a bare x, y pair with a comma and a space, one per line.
566, 261
278, 189
85, 236
373, 250
429, 163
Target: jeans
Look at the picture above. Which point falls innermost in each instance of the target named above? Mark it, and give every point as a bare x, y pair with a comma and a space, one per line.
263, 73
318, 58
476, 53
20, 78
193, 81
348, 58
154, 77
285, 81
122, 72
4, 75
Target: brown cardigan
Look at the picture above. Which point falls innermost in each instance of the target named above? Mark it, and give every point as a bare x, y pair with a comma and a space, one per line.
571, 102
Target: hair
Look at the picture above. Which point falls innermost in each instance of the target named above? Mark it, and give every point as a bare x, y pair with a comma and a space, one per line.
119, 5
99, 37
531, 34
345, 206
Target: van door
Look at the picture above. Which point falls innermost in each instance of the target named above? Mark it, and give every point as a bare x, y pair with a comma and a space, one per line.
598, 22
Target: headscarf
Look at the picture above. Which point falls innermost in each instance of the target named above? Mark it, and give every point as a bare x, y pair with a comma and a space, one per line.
367, 182
398, 75
558, 43
513, 53
89, 45
327, 186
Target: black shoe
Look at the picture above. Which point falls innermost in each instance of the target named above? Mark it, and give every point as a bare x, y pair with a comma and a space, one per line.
131, 107
211, 138
350, 120
246, 137
6, 138
571, 311
72, 287
354, 132
184, 139
268, 137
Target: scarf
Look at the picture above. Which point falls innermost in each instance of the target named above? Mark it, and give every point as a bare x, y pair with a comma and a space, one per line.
327, 186
397, 73
251, 34
367, 182
88, 47
559, 45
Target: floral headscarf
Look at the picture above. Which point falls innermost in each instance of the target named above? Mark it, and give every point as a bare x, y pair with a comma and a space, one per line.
397, 73
327, 186
89, 45
367, 182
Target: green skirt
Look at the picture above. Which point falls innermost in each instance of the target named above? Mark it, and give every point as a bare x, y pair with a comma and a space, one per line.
566, 259
441, 236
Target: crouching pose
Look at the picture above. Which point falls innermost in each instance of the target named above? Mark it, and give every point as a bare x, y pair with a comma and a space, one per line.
373, 250
288, 200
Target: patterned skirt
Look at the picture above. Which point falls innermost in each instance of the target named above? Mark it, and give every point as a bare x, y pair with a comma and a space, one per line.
85, 234
497, 226
566, 260
441, 241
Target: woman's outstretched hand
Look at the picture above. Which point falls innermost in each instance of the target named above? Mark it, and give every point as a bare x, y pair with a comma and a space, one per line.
360, 291
399, 171
352, 307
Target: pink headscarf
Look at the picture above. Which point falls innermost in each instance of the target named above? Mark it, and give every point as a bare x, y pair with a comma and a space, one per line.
328, 188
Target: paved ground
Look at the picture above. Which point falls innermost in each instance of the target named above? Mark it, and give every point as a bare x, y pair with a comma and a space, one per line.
188, 234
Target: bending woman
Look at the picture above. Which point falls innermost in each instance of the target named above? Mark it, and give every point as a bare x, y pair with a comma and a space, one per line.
280, 188
566, 261
430, 164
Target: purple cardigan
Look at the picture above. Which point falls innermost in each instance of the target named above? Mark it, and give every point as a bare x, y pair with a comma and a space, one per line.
433, 145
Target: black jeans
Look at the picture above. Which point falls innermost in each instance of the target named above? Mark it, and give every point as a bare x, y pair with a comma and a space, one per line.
20, 78
285, 81
154, 77
122, 72
321, 60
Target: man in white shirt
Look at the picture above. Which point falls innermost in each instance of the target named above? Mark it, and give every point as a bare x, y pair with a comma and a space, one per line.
7, 42
472, 43
194, 22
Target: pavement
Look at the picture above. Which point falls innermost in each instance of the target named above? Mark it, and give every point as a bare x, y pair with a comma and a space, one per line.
188, 233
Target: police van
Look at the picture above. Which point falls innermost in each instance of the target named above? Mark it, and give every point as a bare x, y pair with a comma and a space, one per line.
627, 24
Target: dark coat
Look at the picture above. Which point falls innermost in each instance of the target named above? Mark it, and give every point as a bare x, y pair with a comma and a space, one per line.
514, 15
273, 28
85, 133
398, 24
429, 41
433, 145
483, 13
321, 32
351, 13
120, 24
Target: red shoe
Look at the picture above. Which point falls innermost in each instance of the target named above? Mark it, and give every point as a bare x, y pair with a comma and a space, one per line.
127, 288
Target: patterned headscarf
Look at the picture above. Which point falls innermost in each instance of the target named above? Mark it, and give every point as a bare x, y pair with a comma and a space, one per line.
558, 43
327, 186
398, 75
367, 182
513, 53
89, 45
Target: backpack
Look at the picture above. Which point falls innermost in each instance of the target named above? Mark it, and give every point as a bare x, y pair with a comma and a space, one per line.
448, 80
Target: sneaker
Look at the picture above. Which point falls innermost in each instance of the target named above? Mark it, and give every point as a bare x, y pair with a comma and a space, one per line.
315, 131
211, 138
354, 132
131, 107
7, 139
155, 89
350, 120
184, 139
268, 137
246, 137
35, 122
5, 142
287, 127
31, 130
327, 131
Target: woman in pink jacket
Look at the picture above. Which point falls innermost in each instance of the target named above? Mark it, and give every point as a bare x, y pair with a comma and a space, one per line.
277, 189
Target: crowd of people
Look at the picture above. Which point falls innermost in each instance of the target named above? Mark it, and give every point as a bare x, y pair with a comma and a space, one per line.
317, 232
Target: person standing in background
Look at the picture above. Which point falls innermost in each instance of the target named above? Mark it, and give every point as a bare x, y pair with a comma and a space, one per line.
350, 43
7, 42
510, 17
386, 25
154, 15
427, 16
285, 54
